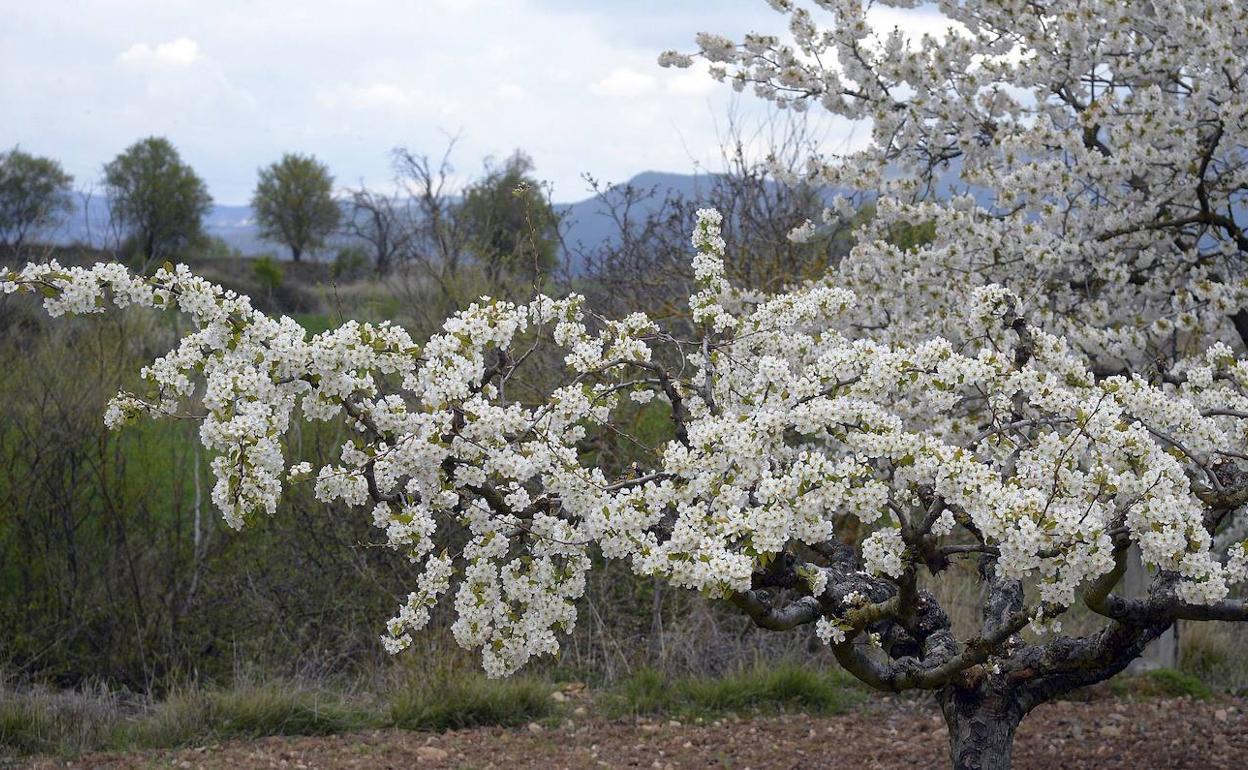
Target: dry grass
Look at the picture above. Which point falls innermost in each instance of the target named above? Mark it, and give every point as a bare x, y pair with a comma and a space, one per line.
37, 721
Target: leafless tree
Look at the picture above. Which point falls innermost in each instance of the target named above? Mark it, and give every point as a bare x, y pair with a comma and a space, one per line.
383, 223
646, 262
438, 240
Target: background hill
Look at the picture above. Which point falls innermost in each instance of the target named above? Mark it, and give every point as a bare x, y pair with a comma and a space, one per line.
587, 220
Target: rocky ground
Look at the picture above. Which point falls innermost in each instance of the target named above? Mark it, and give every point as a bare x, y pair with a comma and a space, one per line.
1161, 733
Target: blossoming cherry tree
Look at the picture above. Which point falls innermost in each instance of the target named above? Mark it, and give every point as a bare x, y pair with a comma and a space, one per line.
1055, 377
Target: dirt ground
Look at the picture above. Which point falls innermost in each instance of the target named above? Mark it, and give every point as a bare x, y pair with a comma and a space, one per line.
1167, 733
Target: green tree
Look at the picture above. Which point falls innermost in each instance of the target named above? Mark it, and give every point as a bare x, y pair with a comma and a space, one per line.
157, 200
34, 195
511, 226
294, 203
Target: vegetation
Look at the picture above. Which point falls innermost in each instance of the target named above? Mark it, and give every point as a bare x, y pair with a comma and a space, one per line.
34, 196
509, 223
1161, 683
93, 719
74, 722
779, 687
458, 700
294, 203
157, 201
268, 272
383, 224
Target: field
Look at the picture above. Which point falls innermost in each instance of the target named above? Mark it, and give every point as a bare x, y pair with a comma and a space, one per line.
763, 717
889, 733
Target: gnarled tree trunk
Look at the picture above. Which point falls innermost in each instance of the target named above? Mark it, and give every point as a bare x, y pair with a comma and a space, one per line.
983, 710
981, 727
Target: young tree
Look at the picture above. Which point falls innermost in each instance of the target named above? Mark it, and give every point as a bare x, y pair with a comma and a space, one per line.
510, 224
1051, 377
294, 203
34, 195
158, 201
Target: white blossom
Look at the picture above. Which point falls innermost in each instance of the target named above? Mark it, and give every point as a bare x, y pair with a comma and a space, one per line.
1053, 375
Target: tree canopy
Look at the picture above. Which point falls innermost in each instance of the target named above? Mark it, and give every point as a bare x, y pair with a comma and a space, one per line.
294, 203
510, 224
34, 195
156, 200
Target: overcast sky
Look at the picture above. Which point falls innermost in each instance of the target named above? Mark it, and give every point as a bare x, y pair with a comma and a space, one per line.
235, 84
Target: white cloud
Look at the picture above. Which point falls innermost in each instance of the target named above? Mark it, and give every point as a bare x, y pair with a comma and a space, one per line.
384, 96
695, 81
623, 81
509, 92
178, 53
235, 83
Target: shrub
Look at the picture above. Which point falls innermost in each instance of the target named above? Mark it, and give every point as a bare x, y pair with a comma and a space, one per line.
1212, 653
761, 688
268, 273
1161, 683
25, 729
350, 262
40, 721
247, 712
315, 323
471, 700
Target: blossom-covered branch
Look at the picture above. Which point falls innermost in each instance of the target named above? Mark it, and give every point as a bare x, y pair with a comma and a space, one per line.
931, 452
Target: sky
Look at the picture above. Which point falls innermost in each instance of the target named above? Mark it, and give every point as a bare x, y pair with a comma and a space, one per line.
234, 85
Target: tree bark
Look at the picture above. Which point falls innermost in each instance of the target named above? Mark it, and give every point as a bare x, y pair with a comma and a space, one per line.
981, 727
1162, 652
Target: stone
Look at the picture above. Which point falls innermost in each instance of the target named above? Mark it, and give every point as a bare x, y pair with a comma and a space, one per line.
431, 754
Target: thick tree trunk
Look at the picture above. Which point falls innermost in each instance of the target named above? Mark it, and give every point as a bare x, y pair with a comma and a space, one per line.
1162, 652
981, 728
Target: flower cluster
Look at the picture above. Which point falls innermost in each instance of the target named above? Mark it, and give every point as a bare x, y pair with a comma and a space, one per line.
1092, 159
786, 429
1048, 376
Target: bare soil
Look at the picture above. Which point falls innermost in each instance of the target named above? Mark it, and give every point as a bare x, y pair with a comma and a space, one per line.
1162, 733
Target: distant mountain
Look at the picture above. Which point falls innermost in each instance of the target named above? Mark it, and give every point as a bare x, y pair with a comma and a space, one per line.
589, 224
588, 221
89, 224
